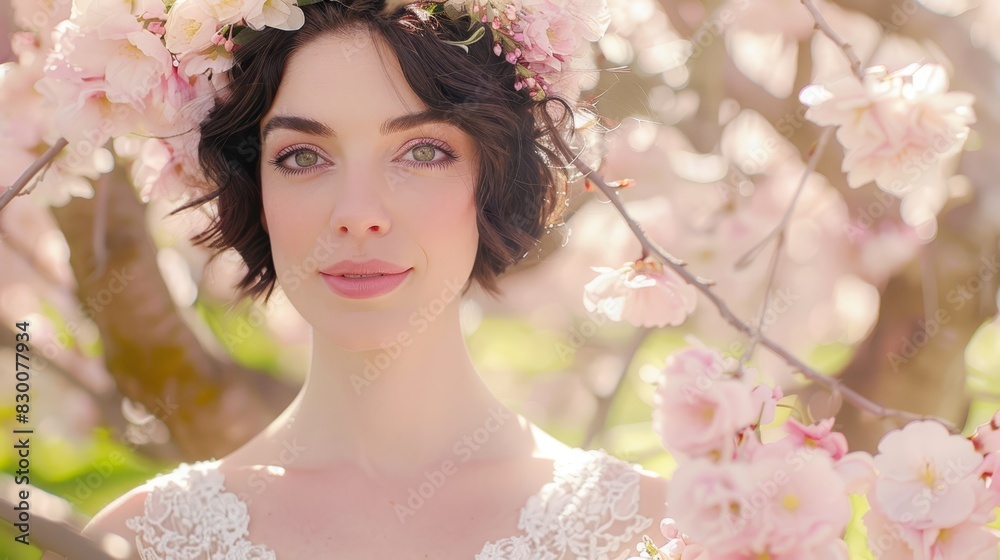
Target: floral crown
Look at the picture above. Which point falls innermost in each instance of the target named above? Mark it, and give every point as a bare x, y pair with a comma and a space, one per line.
153, 68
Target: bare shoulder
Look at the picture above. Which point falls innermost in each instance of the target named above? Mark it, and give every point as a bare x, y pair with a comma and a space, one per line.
111, 529
108, 528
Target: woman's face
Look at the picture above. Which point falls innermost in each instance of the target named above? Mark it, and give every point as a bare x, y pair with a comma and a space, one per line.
344, 179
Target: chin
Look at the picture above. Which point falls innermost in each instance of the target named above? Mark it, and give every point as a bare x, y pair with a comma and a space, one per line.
356, 333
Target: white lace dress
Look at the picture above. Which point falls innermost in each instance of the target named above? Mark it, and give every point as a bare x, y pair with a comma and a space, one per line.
589, 511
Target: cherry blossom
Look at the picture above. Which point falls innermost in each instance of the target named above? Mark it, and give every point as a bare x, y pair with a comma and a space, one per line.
987, 437
279, 14
895, 128
783, 503
643, 293
818, 435
701, 404
927, 477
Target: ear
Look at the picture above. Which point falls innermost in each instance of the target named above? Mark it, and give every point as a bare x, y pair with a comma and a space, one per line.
263, 220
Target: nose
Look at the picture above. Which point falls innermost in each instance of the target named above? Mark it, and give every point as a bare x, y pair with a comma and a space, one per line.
359, 210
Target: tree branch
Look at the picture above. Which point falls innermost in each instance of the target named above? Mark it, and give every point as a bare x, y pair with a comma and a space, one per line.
22, 181
848, 50
703, 286
780, 231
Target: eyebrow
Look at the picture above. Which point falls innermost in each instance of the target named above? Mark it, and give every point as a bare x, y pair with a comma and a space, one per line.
300, 124
413, 120
390, 126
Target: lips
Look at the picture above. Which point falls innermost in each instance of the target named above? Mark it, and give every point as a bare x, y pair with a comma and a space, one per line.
363, 268
367, 279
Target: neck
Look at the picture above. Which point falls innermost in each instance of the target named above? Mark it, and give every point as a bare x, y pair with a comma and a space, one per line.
392, 411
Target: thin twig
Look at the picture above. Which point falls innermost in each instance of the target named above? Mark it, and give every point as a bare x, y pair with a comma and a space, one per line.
38, 179
32, 170
848, 50
787, 217
850, 395
604, 401
780, 232
759, 328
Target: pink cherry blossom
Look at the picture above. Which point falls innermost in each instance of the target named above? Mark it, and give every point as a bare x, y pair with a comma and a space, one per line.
987, 436
807, 509
895, 128
857, 469
643, 293
819, 435
784, 503
891, 541
701, 405
706, 500
928, 478
765, 401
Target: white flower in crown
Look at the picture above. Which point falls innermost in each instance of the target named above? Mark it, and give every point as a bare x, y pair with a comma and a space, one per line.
541, 37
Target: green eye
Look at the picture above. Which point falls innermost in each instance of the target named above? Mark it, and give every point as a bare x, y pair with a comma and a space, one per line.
306, 158
424, 153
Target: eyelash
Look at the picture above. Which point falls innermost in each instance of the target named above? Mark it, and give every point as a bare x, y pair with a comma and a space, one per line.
451, 156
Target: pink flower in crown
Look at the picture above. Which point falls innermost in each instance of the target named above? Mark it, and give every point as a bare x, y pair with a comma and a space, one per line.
554, 30
83, 112
130, 62
643, 293
547, 34
110, 19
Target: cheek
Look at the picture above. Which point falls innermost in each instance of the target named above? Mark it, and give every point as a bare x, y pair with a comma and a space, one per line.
450, 228
294, 228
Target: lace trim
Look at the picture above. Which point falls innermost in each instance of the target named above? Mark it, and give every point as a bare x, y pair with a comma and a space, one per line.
577, 512
589, 510
188, 516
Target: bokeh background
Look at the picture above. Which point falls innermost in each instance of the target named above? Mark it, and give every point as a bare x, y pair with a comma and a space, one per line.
896, 298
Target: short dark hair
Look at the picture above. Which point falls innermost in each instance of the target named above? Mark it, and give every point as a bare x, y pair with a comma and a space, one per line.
521, 183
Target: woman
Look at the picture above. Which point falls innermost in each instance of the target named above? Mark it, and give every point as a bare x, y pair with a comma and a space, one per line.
375, 163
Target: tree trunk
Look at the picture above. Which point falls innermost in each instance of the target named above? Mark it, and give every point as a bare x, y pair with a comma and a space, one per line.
151, 353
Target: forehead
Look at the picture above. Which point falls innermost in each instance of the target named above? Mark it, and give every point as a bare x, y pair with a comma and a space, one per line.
346, 77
